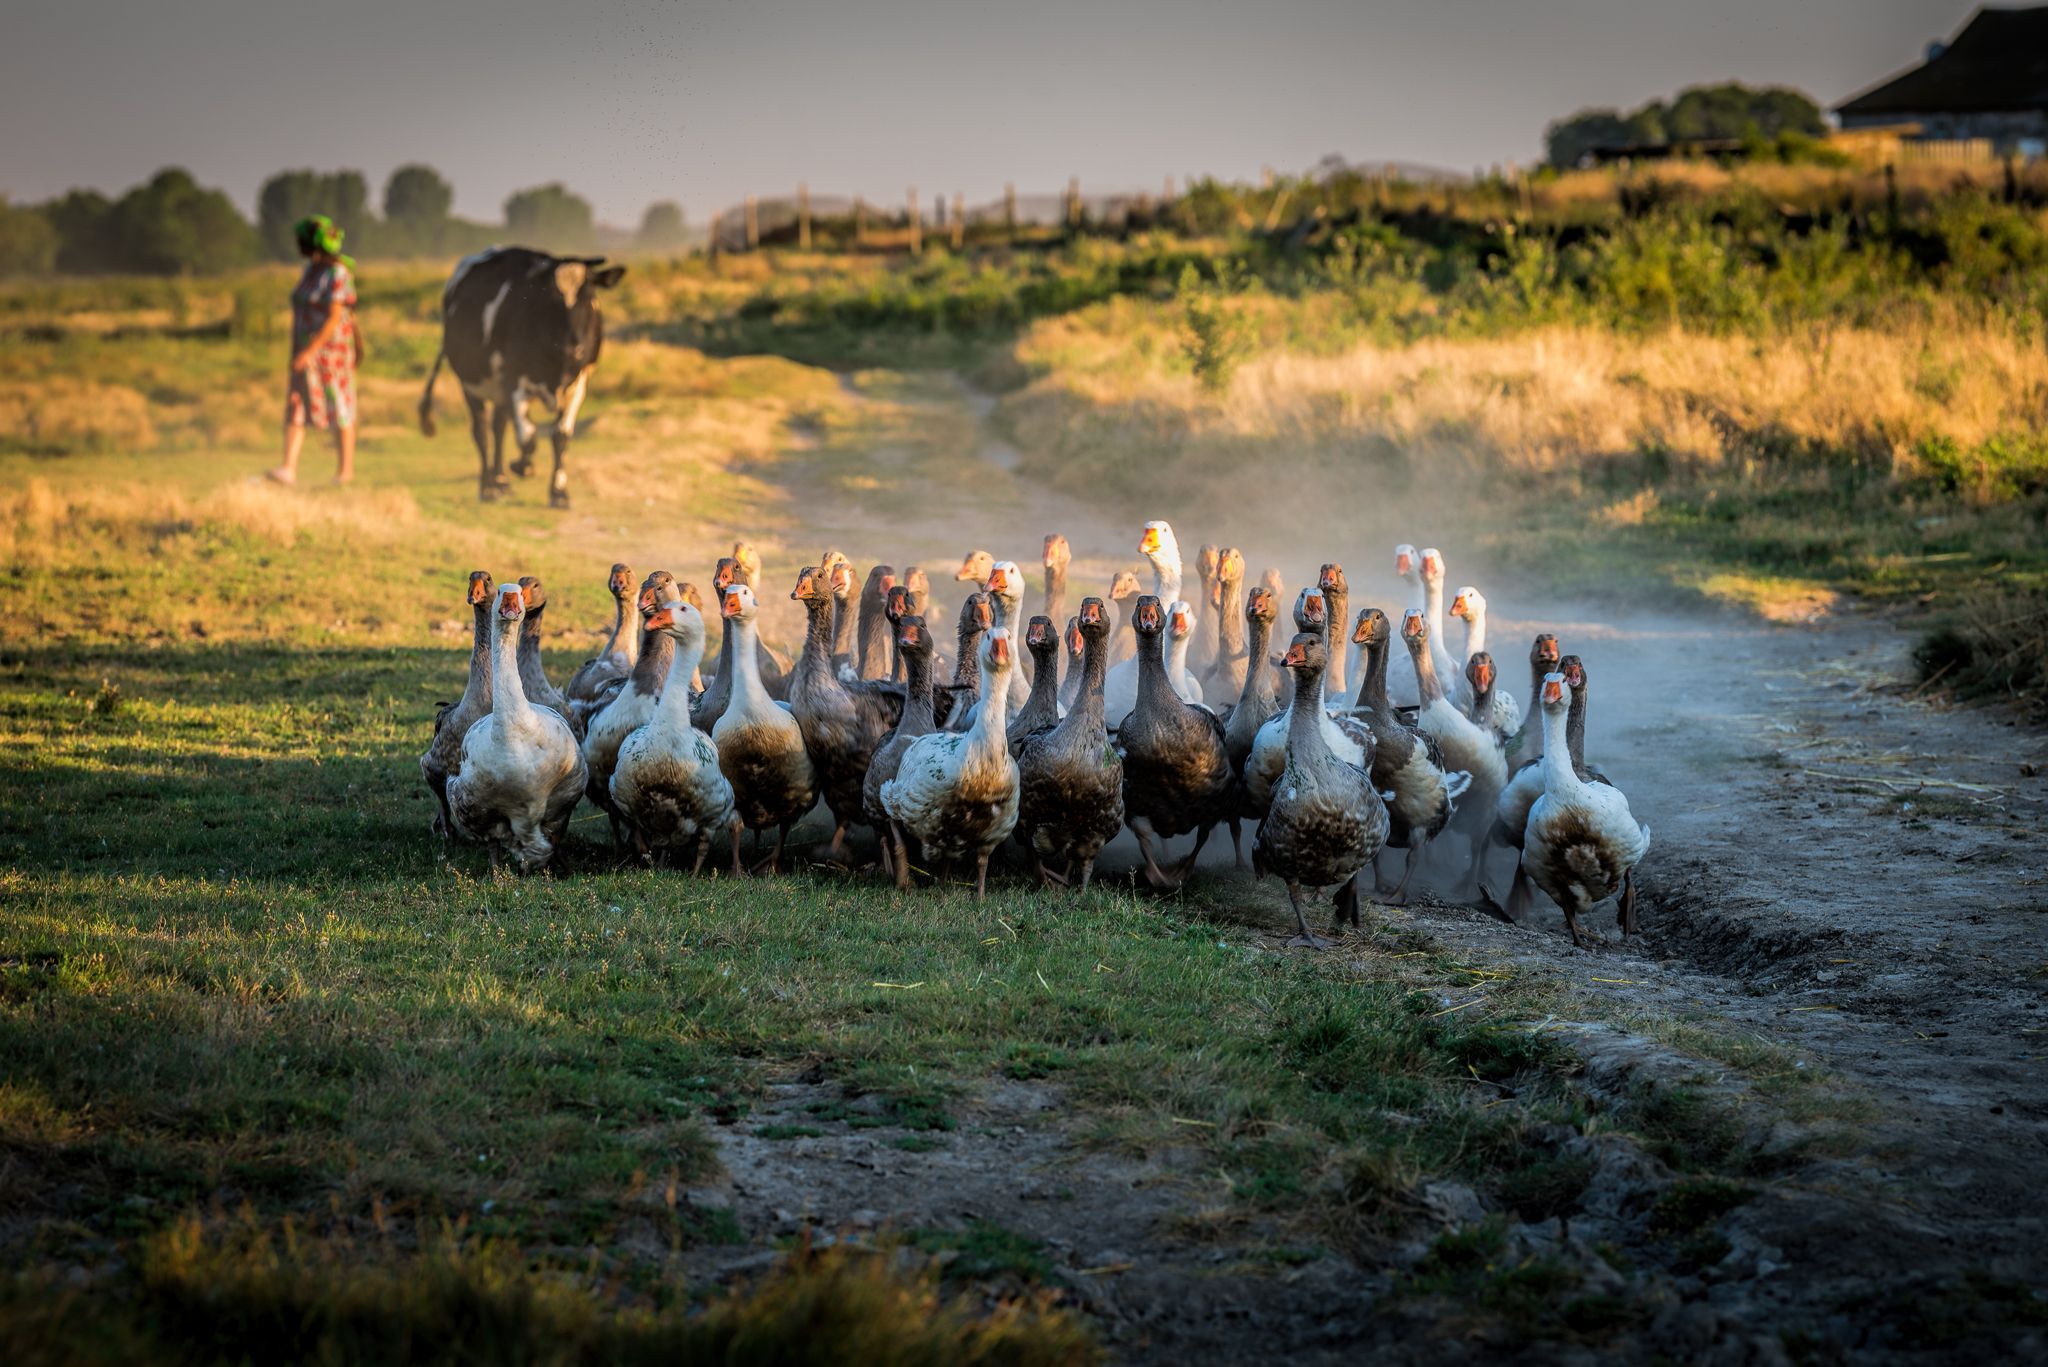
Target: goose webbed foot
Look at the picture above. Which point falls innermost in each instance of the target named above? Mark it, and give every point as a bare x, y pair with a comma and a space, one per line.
1158, 878
1306, 939
1046, 877
1399, 896
1579, 936
1187, 865
836, 852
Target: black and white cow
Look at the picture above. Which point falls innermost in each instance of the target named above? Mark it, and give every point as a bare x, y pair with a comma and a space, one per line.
517, 325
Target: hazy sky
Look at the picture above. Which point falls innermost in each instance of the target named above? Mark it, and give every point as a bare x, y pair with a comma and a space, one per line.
703, 101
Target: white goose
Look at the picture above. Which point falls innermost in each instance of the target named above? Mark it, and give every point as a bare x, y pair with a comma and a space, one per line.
1157, 544
957, 791
760, 746
1005, 588
1402, 689
1504, 717
521, 772
1465, 744
667, 781
1180, 631
1582, 843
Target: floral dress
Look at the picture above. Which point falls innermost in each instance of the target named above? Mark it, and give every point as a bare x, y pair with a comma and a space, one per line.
323, 395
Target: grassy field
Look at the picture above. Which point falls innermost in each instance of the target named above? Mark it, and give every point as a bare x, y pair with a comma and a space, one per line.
270, 1062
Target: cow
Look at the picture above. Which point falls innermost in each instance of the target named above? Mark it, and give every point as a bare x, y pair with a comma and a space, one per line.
517, 325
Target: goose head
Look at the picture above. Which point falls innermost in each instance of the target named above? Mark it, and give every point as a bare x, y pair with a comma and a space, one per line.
1372, 628
1005, 581
912, 637
1058, 555
1123, 584
840, 575
1149, 617
1270, 580
897, 605
881, 579
1468, 603
621, 580
536, 596
977, 614
1306, 655
1415, 630
1157, 544
1556, 693
689, 593
1229, 574
996, 657
725, 574
1180, 620
1544, 653
654, 588
920, 585
1075, 641
479, 588
811, 586
680, 620
1040, 638
1092, 623
1407, 564
1479, 672
749, 562
1432, 565
1261, 605
1311, 610
974, 569
1330, 579
1574, 671
737, 603
1207, 559
511, 604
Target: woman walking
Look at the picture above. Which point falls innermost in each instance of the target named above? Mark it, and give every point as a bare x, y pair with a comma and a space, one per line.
326, 348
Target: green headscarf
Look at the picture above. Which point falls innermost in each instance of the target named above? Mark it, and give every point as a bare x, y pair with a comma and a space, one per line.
317, 233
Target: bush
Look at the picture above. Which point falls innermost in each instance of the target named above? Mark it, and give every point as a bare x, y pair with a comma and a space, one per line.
1216, 337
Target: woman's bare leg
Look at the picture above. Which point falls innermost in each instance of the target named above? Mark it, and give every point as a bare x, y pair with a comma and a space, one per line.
294, 438
344, 454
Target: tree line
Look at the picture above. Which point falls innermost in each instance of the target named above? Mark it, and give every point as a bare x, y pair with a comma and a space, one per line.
172, 225
1773, 120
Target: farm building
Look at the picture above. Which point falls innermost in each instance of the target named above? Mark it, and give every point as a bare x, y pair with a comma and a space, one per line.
1989, 83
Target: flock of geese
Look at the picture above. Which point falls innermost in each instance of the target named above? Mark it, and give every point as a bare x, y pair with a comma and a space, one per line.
1146, 711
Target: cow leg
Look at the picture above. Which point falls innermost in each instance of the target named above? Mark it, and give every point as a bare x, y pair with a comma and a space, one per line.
569, 402
499, 418
529, 435
479, 434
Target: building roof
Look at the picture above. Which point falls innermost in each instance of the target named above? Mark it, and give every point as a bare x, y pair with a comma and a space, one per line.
1997, 64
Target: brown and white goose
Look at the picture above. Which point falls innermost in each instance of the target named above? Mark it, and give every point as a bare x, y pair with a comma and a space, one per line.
760, 746
774, 666
630, 708
1511, 808
1503, 714
521, 772
1465, 744
1177, 776
977, 618
956, 793
914, 649
667, 782
1071, 800
1327, 822
1258, 702
1229, 665
1041, 709
1582, 843
842, 724
1406, 761
621, 649
443, 755
533, 676
1527, 742
1005, 589
1349, 739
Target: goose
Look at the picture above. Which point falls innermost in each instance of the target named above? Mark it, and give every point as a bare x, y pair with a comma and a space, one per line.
621, 649
1123, 596
443, 755
1527, 742
667, 782
760, 746
1401, 684
1070, 778
1005, 588
1041, 709
835, 571
977, 618
521, 772
1258, 701
957, 792
1076, 649
1463, 743
1208, 559
842, 726
1337, 600
920, 585
1581, 844
975, 568
690, 594
914, 649
1349, 739
1177, 776
1180, 634
1327, 821
1157, 544
872, 650
1432, 561
774, 666
630, 708
533, 677
712, 705
1406, 761
1503, 715
1057, 556
1228, 667
1511, 808
1272, 582
895, 607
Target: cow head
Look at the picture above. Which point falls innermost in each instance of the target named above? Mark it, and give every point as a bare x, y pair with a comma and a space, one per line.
578, 279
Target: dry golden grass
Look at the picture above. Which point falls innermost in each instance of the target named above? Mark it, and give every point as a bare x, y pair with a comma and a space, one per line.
1918, 184
67, 413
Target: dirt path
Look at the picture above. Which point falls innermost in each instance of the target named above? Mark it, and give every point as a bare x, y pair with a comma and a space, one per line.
1839, 869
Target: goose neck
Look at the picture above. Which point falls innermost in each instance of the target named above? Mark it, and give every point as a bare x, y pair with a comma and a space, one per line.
508, 699
1305, 741
675, 692
748, 693
478, 689
1425, 671
1257, 680
1558, 774
917, 703
816, 661
1575, 729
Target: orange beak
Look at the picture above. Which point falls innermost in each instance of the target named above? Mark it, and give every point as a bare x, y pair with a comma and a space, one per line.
1553, 689
1459, 607
998, 581
888, 582
1296, 655
730, 605
512, 604
1149, 542
1402, 564
660, 618
999, 652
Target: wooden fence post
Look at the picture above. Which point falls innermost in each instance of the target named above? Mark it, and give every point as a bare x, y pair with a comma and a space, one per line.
1073, 204
753, 224
1010, 210
958, 222
860, 223
803, 215
916, 226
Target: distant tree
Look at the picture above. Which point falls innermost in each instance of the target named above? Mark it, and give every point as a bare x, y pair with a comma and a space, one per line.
549, 216
175, 226
28, 244
84, 222
1729, 110
289, 196
416, 195
661, 227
